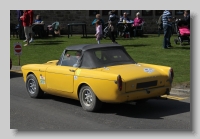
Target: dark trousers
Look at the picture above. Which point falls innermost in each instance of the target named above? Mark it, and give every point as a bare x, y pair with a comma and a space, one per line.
21, 31
112, 36
167, 35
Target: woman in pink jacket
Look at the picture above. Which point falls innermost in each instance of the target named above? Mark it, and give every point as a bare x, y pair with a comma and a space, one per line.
138, 21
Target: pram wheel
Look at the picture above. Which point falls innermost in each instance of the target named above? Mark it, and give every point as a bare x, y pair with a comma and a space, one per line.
176, 41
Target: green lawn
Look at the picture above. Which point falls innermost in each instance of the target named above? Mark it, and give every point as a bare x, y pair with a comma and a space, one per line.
147, 49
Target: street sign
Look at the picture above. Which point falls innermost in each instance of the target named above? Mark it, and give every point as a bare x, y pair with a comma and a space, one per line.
18, 49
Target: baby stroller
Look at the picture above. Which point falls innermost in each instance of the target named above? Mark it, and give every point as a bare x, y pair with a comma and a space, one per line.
183, 32
111, 21
106, 31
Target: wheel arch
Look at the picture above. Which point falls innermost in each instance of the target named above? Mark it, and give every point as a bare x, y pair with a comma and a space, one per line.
34, 75
29, 74
81, 85
79, 88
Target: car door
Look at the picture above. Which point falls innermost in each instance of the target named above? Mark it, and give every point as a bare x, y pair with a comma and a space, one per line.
60, 79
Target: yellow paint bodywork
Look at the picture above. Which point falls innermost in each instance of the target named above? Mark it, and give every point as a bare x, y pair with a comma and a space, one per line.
66, 81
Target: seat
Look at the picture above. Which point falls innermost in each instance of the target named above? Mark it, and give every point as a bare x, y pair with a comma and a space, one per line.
39, 30
14, 30
138, 30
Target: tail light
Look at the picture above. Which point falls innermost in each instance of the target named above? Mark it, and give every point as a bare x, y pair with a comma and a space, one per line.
171, 74
119, 82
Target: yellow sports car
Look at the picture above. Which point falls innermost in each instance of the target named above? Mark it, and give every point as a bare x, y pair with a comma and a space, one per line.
97, 73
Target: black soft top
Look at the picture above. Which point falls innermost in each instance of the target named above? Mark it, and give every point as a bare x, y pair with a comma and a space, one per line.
97, 55
84, 47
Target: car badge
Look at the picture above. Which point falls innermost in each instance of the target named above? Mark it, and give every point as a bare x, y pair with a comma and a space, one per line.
148, 70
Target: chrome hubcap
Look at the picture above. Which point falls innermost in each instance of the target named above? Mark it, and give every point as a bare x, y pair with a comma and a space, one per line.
87, 97
31, 86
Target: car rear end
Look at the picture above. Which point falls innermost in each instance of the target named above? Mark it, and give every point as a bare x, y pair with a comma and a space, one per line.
135, 81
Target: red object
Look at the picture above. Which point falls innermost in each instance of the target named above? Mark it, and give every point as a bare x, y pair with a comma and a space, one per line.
30, 13
18, 48
127, 35
119, 82
25, 19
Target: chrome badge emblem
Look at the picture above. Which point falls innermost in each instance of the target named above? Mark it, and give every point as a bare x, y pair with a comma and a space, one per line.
148, 70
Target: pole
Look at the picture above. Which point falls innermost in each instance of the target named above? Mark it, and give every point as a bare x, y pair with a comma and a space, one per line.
19, 60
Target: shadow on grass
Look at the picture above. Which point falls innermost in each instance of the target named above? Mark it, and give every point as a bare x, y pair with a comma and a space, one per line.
88, 37
48, 37
46, 42
136, 45
186, 47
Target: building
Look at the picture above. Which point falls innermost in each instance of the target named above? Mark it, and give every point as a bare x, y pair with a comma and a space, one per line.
87, 16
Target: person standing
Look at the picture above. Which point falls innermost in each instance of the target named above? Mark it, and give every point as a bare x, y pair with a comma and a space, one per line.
21, 29
26, 24
186, 16
30, 12
98, 31
167, 24
112, 21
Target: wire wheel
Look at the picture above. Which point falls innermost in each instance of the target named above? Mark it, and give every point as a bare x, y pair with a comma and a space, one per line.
88, 99
33, 87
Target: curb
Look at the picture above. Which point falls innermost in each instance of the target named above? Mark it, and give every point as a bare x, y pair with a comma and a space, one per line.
16, 68
173, 90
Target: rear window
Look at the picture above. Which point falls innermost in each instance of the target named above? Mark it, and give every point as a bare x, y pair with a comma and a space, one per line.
112, 56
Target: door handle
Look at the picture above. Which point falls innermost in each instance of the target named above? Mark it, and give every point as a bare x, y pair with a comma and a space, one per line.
71, 70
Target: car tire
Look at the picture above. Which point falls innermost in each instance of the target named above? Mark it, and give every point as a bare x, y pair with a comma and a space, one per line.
33, 87
89, 100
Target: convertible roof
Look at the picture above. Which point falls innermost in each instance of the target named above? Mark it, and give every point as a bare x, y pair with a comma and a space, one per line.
84, 47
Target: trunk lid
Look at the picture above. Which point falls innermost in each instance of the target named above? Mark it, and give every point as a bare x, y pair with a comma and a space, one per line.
138, 76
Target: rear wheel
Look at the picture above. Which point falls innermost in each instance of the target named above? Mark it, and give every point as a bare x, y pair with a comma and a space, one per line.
88, 99
33, 87
176, 41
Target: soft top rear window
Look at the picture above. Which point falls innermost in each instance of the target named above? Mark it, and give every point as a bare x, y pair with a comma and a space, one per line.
96, 58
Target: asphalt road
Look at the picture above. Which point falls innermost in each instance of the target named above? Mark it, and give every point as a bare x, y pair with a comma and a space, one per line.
56, 113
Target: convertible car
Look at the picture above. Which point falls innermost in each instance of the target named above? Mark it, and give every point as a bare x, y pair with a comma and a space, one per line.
97, 73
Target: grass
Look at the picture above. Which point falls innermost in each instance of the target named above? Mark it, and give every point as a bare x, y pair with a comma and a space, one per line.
146, 49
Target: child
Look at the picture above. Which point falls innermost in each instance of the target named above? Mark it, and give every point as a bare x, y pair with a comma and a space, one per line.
98, 17
98, 31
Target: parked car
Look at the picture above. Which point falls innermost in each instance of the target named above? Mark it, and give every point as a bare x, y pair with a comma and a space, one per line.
97, 73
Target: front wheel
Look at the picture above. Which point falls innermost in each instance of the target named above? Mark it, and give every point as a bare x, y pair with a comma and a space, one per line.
33, 87
89, 100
